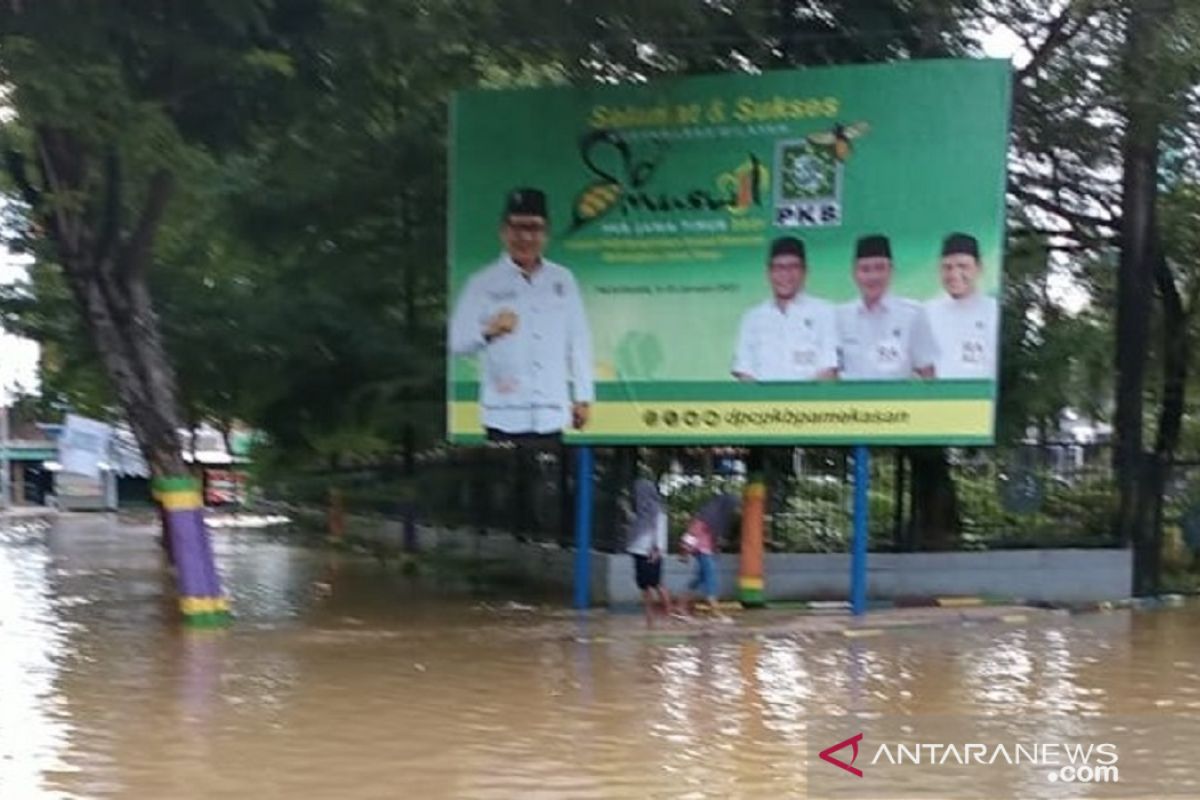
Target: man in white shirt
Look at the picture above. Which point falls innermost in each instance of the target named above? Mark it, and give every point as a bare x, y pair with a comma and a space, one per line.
525, 318
883, 337
964, 320
792, 336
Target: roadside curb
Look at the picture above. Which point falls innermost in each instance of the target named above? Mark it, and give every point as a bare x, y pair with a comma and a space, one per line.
949, 601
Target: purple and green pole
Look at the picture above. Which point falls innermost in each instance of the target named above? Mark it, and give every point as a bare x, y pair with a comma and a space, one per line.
200, 599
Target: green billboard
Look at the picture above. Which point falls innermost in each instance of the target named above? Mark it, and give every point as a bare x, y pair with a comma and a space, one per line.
795, 257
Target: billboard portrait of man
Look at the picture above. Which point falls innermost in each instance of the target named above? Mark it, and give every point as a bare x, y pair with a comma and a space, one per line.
964, 319
792, 336
883, 337
702, 221
522, 316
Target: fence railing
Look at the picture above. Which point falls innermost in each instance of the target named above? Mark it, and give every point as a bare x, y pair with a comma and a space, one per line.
1046, 495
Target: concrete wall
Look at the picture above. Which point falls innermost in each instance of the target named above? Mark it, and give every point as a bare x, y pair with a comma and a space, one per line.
1056, 576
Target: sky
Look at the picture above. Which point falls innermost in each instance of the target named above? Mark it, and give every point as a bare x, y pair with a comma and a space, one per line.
18, 357
1000, 42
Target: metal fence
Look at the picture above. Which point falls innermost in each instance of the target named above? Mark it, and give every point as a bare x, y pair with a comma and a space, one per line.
1048, 495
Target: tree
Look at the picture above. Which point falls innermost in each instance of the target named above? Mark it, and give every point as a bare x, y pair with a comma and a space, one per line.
118, 105
1053, 358
1106, 84
301, 147
281, 166
115, 103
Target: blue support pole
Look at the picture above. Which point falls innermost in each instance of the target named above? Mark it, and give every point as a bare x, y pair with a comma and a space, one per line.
858, 560
584, 469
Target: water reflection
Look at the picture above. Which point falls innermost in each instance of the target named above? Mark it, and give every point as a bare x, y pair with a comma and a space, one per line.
346, 678
35, 719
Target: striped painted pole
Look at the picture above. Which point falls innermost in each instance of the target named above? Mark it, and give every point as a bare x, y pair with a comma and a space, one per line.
200, 599
751, 588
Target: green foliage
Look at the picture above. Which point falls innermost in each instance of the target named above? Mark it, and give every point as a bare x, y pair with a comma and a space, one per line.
1052, 359
300, 277
300, 280
42, 309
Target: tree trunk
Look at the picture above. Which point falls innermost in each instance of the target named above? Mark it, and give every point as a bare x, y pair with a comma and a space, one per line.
1140, 152
104, 266
124, 327
1170, 415
409, 452
1175, 357
193, 439
934, 522
105, 270
226, 428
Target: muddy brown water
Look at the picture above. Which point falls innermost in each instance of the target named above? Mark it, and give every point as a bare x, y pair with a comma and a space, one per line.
343, 678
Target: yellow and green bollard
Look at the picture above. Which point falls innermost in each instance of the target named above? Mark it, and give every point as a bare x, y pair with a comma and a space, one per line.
750, 573
200, 599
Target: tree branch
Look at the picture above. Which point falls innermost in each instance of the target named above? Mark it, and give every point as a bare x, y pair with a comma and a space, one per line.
1175, 361
1077, 244
1057, 34
15, 162
54, 155
1077, 218
1165, 279
1080, 247
135, 255
1193, 296
110, 226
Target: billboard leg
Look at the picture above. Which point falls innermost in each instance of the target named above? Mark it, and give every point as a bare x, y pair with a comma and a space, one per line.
583, 526
858, 560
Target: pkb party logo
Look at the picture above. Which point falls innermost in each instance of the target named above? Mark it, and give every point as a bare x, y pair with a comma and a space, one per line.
808, 181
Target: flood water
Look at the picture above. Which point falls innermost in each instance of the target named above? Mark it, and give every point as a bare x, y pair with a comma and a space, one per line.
343, 678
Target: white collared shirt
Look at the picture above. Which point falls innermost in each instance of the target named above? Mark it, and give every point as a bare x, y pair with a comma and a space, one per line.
528, 377
886, 342
965, 332
789, 344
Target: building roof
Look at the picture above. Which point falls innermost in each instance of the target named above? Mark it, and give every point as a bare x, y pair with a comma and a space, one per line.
30, 450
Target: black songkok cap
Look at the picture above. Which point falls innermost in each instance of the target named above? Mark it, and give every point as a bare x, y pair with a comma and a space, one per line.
961, 243
526, 201
787, 246
874, 246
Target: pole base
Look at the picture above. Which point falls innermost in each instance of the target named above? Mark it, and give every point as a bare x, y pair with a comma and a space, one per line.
750, 593
205, 612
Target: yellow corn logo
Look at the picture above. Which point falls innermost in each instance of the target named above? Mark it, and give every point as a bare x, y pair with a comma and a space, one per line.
596, 200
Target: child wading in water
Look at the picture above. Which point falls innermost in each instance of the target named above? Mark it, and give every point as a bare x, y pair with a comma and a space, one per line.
701, 541
648, 546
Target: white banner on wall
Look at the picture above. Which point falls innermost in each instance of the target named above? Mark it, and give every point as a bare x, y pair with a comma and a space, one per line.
83, 445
